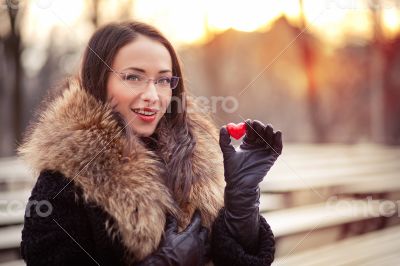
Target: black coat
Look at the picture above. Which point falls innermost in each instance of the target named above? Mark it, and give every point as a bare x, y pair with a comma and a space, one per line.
109, 209
73, 234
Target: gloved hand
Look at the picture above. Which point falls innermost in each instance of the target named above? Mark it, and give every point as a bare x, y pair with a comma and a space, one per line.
190, 247
244, 169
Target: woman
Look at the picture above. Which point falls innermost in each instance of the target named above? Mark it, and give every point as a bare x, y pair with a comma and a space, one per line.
127, 176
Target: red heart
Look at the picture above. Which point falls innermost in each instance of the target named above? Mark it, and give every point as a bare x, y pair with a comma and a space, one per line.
236, 131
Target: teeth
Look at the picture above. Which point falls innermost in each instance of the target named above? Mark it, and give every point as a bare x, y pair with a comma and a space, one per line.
138, 111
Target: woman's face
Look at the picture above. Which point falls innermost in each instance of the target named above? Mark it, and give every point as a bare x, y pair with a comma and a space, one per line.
150, 59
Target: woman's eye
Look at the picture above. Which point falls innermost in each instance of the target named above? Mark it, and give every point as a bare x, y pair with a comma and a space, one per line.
132, 77
164, 81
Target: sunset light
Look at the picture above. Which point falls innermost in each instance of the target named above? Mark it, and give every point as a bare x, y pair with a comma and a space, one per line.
193, 21
391, 21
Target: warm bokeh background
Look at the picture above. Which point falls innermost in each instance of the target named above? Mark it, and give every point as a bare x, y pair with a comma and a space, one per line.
321, 71
326, 73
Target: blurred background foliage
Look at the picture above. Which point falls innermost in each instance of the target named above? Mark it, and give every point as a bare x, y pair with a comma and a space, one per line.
320, 71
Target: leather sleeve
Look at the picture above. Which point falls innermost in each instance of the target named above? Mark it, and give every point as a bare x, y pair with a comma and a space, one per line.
227, 251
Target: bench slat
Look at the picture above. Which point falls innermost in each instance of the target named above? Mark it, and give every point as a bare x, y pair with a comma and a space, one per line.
353, 251
305, 218
10, 236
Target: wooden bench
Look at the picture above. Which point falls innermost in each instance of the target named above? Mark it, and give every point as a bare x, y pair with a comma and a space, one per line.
308, 174
10, 236
16, 183
11, 220
301, 219
12, 206
14, 175
10, 239
317, 224
13, 263
279, 180
328, 169
376, 248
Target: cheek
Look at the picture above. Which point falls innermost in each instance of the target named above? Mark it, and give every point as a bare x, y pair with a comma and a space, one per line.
112, 92
165, 100
117, 95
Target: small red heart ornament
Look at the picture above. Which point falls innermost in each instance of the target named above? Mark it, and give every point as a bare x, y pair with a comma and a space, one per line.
236, 130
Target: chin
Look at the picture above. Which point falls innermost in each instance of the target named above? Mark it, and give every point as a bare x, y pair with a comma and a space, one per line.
144, 132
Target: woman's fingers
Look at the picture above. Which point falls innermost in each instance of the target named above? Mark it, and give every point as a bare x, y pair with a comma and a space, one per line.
278, 142
195, 224
258, 134
225, 141
254, 132
250, 133
258, 128
264, 133
268, 134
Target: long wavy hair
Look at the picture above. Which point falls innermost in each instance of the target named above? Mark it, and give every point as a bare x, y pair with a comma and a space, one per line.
175, 141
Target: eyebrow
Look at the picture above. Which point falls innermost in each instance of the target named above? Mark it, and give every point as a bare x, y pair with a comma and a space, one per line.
144, 71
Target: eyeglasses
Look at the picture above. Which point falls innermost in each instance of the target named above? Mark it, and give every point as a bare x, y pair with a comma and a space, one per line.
138, 81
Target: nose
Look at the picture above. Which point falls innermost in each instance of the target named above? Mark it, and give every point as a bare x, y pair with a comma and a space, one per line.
150, 94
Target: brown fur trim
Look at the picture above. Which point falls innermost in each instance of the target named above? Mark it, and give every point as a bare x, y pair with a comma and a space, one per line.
80, 137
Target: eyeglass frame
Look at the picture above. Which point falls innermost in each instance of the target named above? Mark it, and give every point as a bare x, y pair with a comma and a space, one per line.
146, 80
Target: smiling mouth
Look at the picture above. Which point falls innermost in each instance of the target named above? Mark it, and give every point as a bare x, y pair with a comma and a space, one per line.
144, 112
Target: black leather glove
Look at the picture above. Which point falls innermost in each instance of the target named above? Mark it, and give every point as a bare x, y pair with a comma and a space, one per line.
190, 247
244, 169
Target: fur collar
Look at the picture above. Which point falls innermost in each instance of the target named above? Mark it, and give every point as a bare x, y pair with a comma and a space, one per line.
80, 137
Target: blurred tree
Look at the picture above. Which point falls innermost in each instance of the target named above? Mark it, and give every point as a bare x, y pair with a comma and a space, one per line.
12, 47
392, 91
308, 56
94, 15
384, 89
377, 71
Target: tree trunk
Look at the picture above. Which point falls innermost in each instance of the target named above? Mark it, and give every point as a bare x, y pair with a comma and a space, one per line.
308, 58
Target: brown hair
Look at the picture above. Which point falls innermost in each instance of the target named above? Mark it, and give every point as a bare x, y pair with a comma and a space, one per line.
173, 127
